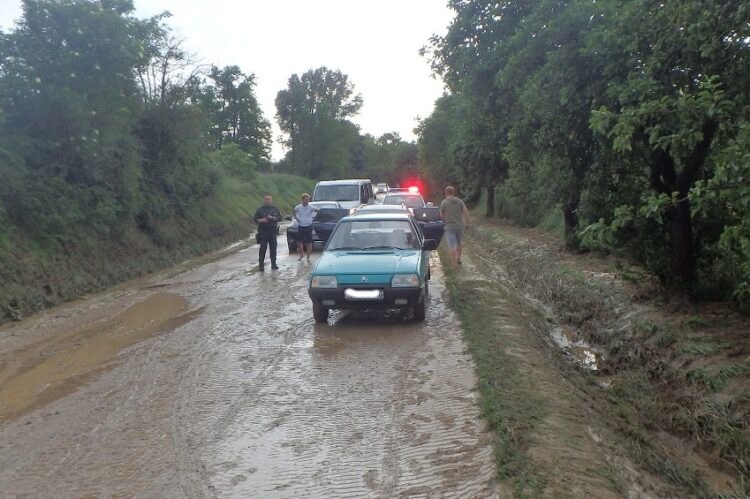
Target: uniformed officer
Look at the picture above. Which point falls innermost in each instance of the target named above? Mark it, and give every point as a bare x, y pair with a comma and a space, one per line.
267, 217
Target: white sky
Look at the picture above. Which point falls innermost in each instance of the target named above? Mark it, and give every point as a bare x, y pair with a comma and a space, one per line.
374, 42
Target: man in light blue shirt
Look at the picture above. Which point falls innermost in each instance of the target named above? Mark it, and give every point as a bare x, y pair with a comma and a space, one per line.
304, 213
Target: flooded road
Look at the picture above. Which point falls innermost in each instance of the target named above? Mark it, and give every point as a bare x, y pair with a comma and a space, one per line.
214, 380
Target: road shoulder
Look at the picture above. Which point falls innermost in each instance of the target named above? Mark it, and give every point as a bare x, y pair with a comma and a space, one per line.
564, 427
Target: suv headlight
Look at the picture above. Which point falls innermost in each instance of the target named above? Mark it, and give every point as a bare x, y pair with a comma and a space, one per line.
323, 281
405, 281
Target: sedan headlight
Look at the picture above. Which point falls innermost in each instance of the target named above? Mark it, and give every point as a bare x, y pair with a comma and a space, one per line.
405, 281
323, 281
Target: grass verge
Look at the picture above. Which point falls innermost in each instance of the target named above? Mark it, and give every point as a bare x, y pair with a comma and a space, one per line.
679, 373
506, 402
38, 274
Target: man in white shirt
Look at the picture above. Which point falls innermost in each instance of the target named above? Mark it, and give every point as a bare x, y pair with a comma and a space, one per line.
304, 213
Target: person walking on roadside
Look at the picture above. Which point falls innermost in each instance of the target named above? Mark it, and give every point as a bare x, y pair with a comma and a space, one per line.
267, 217
304, 213
455, 216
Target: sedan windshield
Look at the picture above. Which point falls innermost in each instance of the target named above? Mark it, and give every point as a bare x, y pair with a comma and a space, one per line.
408, 200
373, 234
336, 193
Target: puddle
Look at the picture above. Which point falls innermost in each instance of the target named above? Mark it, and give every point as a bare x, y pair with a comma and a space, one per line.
576, 349
44, 374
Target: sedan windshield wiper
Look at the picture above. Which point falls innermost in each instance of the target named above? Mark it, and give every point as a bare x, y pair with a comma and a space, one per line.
383, 247
345, 248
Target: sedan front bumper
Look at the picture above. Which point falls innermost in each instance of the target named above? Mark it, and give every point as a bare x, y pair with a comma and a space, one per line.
391, 297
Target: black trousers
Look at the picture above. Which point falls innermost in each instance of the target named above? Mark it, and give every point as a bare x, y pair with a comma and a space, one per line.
266, 240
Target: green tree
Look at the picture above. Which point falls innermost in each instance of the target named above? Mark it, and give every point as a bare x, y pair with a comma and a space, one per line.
436, 136
685, 88
67, 91
235, 114
312, 111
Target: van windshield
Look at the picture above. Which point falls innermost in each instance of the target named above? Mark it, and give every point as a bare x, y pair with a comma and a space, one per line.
336, 193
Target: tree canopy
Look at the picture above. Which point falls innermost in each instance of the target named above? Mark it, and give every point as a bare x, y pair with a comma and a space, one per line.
106, 119
625, 117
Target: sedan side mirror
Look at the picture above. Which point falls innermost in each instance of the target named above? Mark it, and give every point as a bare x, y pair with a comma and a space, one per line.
429, 245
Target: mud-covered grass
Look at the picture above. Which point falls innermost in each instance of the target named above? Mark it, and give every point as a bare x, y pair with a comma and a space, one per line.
506, 401
35, 274
678, 373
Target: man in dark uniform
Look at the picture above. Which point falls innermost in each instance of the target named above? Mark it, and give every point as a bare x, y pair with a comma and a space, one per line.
267, 217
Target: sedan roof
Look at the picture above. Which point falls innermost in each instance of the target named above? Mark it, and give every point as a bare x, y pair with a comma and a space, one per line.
381, 208
378, 216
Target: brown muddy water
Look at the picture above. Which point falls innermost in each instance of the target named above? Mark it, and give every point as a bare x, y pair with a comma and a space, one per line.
215, 381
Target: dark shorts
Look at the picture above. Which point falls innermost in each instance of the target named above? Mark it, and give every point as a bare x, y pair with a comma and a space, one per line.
304, 234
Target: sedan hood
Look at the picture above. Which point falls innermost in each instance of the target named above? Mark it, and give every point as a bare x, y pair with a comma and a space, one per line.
372, 262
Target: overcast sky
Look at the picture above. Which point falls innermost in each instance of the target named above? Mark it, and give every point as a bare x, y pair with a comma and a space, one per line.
375, 42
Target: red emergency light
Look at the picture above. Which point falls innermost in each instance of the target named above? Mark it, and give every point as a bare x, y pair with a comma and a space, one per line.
414, 186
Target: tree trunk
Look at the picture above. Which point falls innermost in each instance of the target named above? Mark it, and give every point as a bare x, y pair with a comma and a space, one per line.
490, 200
570, 215
680, 220
681, 239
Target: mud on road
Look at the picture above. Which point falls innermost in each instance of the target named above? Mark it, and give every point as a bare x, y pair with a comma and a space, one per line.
213, 380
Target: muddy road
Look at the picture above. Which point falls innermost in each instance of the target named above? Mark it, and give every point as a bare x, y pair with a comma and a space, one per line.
212, 379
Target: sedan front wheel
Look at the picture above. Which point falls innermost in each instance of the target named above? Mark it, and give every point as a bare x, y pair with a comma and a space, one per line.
420, 311
320, 314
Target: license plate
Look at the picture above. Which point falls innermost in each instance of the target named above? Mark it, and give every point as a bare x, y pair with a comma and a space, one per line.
363, 294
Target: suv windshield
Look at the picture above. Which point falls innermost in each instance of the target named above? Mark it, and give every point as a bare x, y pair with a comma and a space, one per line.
346, 192
371, 234
408, 200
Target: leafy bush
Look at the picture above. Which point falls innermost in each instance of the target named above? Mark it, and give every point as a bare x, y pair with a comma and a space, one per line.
234, 161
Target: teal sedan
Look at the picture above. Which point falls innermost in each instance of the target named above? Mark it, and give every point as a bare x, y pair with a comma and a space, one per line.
373, 261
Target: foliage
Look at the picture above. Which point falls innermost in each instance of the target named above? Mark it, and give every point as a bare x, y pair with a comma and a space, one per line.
235, 114
728, 190
628, 116
108, 134
235, 162
313, 112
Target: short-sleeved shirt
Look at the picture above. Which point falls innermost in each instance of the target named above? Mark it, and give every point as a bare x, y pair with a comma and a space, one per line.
305, 214
452, 209
271, 225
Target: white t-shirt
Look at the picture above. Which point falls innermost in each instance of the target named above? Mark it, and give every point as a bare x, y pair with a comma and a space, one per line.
305, 214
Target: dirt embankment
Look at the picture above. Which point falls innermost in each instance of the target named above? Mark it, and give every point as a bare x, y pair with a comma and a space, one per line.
667, 380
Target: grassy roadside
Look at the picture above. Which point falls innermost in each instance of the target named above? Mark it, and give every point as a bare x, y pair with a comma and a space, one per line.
506, 402
39, 274
677, 374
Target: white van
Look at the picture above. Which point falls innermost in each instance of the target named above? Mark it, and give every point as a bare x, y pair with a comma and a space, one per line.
351, 193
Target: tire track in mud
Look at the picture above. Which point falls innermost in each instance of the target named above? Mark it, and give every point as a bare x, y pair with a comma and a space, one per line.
361, 407
251, 398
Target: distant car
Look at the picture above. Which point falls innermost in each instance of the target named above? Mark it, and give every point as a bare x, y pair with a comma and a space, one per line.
381, 190
409, 199
373, 261
323, 223
426, 215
